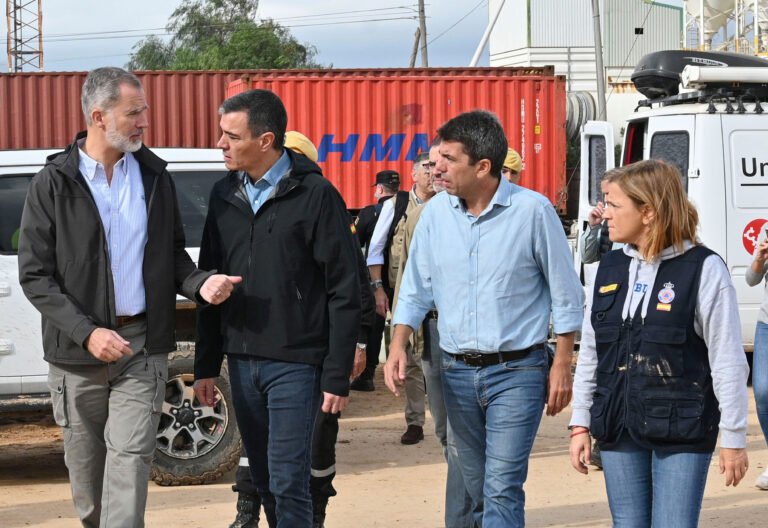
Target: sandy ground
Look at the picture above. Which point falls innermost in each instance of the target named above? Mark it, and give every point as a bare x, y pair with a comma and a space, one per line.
380, 481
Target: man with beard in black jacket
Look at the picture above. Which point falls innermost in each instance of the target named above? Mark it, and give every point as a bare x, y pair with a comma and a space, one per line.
101, 256
290, 330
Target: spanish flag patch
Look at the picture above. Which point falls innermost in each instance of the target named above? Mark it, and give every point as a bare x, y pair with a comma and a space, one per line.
608, 288
352, 228
664, 307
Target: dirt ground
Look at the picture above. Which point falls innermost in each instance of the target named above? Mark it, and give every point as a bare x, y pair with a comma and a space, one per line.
380, 481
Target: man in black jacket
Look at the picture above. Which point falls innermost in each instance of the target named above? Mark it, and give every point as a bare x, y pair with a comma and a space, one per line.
101, 256
290, 331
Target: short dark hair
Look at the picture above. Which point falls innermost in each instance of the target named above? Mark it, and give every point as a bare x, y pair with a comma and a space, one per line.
265, 110
481, 136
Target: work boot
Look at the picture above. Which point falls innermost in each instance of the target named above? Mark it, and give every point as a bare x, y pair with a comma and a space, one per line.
318, 513
247, 511
363, 385
413, 435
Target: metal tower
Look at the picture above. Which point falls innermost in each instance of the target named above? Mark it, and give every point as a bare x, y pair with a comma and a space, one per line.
25, 34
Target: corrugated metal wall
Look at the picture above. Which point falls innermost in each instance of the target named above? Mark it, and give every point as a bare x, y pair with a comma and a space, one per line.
565, 23
363, 123
662, 26
362, 120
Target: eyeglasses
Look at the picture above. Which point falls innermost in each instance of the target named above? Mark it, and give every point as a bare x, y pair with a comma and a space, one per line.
428, 166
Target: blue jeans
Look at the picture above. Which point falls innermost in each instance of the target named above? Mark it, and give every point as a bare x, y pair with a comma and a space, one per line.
276, 403
458, 504
760, 375
648, 488
494, 413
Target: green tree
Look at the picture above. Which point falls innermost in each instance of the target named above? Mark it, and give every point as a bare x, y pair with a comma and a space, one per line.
222, 35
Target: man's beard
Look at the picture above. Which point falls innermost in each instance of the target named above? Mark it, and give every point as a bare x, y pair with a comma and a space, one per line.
121, 142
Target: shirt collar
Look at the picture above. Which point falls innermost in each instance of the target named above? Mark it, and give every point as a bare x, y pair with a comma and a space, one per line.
88, 165
502, 197
275, 172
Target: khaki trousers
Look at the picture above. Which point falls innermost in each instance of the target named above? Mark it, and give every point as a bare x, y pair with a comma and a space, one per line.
109, 416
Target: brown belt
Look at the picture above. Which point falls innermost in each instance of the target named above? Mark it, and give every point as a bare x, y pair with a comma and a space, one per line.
123, 320
480, 359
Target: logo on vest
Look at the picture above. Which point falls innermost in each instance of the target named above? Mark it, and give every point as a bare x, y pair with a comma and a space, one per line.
666, 296
608, 288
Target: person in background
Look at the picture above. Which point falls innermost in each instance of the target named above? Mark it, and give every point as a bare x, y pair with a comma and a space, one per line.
494, 294
512, 166
103, 262
661, 368
384, 263
755, 274
387, 185
290, 333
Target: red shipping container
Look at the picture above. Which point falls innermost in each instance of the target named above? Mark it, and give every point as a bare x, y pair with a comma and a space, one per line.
362, 121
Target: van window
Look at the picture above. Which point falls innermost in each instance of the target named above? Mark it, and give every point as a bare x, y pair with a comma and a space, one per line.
13, 192
672, 148
633, 142
193, 189
597, 153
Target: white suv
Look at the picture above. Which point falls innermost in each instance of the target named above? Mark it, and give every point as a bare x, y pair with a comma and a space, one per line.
192, 448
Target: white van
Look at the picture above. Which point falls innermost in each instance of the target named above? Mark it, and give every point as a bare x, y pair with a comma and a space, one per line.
184, 455
716, 133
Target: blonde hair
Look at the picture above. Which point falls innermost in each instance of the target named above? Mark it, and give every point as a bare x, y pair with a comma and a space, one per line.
659, 186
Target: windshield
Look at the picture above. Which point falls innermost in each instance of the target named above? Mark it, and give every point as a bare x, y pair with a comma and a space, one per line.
193, 188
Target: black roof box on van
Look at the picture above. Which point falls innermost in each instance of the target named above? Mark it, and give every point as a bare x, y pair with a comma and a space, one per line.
658, 74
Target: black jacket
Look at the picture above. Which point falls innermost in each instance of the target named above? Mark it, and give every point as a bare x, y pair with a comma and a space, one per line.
64, 266
300, 296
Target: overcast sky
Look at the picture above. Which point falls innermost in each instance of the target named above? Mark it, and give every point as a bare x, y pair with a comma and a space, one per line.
85, 34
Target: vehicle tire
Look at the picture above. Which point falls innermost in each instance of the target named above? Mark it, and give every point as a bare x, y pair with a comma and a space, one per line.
196, 444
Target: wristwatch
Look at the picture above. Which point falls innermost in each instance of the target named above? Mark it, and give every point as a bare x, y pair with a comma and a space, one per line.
377, 284
362, 346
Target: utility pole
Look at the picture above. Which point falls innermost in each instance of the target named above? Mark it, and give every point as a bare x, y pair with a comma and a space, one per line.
415, 50
599, 61
423, 29
24, 19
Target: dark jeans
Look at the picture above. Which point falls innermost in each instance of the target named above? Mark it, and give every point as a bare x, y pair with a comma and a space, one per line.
323, 461
276, 403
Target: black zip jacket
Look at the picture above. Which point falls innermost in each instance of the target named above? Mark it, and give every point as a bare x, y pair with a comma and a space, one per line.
300, 296
64, 265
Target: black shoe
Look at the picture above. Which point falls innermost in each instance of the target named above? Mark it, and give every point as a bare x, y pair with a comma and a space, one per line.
318, 513
247, 511
413, 435
363, 385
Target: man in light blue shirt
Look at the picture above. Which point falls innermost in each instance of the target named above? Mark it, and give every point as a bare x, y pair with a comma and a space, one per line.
494, 259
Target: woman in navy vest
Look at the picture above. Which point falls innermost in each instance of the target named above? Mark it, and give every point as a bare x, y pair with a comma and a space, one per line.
661, 367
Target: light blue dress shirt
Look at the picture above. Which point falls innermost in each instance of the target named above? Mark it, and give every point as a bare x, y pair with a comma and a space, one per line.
494, 279
261, 190
123, 210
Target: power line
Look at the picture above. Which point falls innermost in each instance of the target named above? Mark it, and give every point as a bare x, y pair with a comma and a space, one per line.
163, 32
458, 21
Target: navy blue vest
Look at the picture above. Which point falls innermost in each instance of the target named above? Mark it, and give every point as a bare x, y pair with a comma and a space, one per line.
653, 375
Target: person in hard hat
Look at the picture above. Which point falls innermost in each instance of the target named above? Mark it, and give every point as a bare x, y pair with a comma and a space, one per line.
298, 142
326, 424
513, 164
